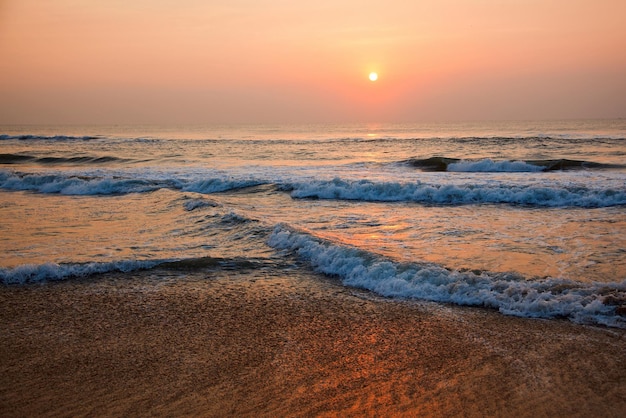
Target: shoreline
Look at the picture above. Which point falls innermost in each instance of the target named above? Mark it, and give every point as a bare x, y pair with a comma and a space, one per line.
289, 343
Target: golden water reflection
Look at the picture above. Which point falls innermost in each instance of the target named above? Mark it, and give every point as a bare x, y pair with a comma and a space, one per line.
536, 243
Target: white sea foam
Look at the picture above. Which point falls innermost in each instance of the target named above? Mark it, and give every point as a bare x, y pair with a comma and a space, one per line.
32, 273
509, 293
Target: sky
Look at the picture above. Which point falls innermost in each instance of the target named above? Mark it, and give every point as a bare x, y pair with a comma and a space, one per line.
285, 61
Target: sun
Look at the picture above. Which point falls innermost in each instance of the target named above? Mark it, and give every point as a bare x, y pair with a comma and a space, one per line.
373, 76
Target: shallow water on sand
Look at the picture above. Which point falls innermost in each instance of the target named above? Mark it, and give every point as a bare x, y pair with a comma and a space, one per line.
286, 342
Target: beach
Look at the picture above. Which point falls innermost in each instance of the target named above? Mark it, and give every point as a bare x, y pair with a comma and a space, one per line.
329, 270
256, 343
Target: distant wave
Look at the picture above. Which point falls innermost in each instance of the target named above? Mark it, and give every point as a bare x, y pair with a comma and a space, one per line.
20, 158
489, 165
565, 139
509, 293
331, 137
579, 138
28, 137
461, 194
15, 158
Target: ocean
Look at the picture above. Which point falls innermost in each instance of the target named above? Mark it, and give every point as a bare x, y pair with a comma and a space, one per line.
523, 218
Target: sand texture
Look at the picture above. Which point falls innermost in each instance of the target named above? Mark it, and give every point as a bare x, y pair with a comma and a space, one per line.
164, 343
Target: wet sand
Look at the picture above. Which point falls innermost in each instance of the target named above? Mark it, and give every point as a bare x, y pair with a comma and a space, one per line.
166, 343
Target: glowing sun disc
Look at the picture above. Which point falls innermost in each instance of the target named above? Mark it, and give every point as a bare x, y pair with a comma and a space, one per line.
373, 76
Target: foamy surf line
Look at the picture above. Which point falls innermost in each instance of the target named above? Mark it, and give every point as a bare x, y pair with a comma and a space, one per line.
509, 293
79, 184
542, 195
49, 272
34, 273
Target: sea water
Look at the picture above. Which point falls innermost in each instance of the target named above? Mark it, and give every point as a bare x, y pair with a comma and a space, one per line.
527, 218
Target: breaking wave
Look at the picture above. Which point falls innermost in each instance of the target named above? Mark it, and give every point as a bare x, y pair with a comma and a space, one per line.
539, 194
543, 195
49, 272
68, 184
509, 293
488, 165
33, 273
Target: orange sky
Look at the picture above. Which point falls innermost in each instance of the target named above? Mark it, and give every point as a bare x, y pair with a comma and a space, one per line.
209, 61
